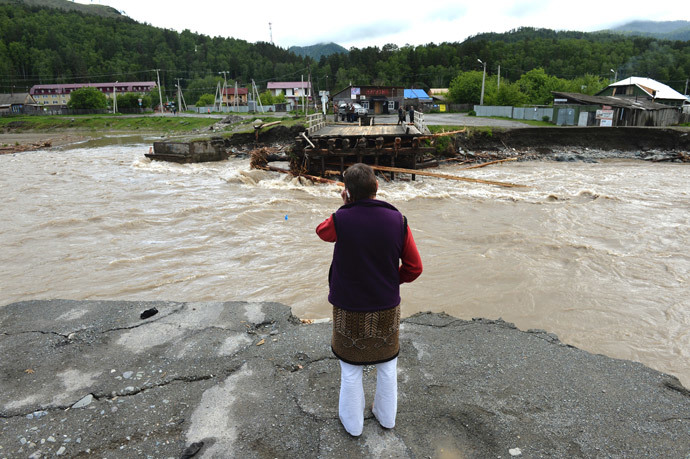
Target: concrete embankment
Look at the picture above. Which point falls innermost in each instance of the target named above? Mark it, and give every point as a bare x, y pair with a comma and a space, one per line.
615, 138
235, 379
219, 148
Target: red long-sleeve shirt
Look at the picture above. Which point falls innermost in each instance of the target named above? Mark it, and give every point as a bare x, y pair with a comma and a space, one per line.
411, 266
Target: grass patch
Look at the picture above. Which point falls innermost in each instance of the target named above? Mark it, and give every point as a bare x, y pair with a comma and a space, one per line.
104, 123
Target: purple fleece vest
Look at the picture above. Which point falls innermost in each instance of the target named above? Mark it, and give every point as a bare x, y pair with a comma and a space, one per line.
364, 272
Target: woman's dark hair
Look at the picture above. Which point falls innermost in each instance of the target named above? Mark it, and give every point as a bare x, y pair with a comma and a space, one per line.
360, 181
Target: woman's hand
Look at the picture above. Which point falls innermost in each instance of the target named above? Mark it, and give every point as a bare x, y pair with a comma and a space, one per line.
345, 195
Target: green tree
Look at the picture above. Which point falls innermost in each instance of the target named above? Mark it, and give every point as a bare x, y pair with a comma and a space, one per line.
87, 98
266, 97
155, 99
201, 86
269, 99
205, 100
509, 94
131, 100
466, 88
537, 86
588, 84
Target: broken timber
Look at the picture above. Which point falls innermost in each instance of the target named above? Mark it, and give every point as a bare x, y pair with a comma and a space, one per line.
448, 176
332, 146
258, 127
387, 148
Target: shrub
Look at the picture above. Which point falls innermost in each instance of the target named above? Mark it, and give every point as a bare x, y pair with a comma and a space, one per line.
87, 98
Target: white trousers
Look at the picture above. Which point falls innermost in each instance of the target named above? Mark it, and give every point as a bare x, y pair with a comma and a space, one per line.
351, 404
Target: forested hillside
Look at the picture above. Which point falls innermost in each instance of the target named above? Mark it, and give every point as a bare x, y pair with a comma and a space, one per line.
40, 45
563, 54
66, 5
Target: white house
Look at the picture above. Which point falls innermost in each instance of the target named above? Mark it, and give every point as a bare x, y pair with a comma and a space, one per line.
638, 87
293, 90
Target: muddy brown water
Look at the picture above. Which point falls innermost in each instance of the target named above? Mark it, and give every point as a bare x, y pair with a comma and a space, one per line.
596, 253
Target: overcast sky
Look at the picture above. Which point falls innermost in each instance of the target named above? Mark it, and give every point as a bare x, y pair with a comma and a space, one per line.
375, 23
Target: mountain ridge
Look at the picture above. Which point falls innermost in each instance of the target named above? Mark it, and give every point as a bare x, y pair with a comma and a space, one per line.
318, 50
95, 10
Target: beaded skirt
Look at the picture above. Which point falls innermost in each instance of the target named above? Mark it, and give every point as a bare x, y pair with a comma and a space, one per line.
366, 338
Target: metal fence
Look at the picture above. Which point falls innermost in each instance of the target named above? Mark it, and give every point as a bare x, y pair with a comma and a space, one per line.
518, 113
243, 108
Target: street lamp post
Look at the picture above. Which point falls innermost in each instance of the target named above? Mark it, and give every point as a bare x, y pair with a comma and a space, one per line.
615, 75
481, 99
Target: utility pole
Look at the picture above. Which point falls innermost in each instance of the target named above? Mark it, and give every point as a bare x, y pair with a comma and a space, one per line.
310, 90
160, 95
225, 88
481, 100
270, 31
499, 77
179, 96
236, 103
114, 98
257, 100
686, 86
302, 96
216, 99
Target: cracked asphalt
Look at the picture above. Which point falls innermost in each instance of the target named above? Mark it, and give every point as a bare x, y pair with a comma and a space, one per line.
237, 379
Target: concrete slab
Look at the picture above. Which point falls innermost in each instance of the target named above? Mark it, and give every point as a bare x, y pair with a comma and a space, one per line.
242, 379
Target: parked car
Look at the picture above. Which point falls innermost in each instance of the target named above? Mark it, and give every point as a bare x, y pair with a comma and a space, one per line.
359, 110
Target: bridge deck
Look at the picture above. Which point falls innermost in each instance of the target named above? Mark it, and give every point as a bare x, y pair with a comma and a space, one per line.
350, 130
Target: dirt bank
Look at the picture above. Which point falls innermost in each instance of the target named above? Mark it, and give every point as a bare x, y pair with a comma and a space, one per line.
615, 138
54, 139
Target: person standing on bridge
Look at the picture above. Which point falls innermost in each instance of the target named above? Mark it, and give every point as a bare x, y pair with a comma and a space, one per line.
401, 115
412, 114
374, 253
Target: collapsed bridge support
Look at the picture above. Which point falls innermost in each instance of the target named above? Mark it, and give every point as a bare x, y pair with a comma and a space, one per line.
329, 149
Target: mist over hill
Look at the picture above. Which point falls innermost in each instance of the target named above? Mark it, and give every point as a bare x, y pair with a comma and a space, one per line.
316, 51
666, 30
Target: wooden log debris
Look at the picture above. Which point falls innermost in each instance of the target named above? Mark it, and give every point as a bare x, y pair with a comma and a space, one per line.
447, 176
442, 134
477, 166
313, 178
258, 127
24, 147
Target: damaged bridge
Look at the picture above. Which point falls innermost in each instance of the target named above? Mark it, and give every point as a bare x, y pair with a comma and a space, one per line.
328, 148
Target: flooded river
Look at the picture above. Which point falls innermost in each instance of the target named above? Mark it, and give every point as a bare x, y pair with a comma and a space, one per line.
596, 253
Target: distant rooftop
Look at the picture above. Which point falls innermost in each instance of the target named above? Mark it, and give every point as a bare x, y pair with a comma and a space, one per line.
126, 85
416, 94
649, 86
614, 101
288, 84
